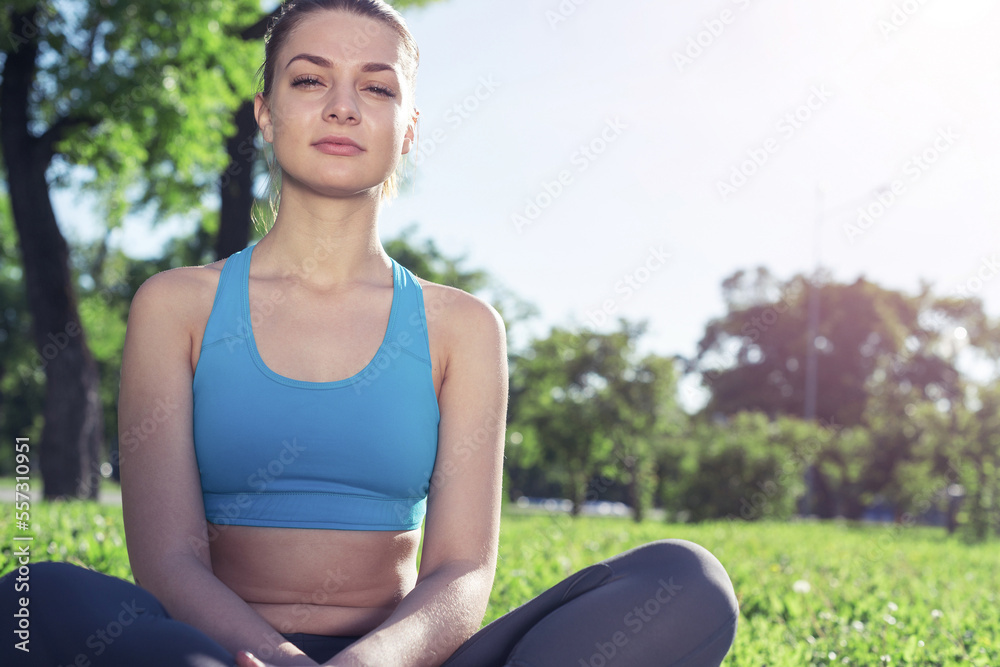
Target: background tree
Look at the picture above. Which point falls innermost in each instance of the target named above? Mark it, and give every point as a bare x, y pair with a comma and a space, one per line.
587, 407
872, 344
743, 466
131, 91
642, 415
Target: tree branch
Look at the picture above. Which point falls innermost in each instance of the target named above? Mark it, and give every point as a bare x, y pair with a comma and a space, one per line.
59, 129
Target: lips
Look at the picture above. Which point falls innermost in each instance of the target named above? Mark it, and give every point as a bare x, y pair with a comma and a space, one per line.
333, 145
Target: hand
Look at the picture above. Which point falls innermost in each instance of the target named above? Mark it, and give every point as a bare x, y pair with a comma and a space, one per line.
247, 659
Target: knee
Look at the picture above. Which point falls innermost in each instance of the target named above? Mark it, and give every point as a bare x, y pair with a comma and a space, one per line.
687, 574
57, 578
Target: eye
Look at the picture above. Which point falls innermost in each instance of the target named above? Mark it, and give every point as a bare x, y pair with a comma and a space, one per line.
306, 81
381, 90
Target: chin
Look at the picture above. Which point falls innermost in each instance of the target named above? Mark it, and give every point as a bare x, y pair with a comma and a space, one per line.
345, 190
335, 186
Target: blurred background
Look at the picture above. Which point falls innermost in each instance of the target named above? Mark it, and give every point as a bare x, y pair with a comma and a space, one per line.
746, 250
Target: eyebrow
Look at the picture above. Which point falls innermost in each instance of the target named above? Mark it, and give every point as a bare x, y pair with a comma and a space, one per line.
323, 62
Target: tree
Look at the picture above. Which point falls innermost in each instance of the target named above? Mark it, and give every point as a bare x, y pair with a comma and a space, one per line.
586, 406
743, 466
132, 91
963, 446
873, 344
643, 416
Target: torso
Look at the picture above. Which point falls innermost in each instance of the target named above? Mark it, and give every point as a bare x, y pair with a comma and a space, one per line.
330, 582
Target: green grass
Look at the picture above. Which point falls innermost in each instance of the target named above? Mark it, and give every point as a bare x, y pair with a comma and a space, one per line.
876, 595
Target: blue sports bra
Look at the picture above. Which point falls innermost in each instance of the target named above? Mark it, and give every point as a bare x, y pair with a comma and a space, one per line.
353, 454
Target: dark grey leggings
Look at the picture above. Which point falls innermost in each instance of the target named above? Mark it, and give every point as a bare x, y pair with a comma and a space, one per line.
668, 602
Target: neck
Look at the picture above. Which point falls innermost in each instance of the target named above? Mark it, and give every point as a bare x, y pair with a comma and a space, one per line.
323, 242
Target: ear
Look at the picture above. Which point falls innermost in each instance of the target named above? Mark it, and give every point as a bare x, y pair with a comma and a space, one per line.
408, 138
262, 113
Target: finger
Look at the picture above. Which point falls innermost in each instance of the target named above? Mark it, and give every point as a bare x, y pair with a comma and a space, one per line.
246, 659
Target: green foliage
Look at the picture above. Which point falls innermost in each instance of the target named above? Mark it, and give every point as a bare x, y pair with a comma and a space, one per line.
22, 380
747, 467
145, 94
83, 532
425, 260
583, 405
886, 363
868, 338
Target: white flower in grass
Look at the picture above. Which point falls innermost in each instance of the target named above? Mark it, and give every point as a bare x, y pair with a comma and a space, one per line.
801, 586
936, 613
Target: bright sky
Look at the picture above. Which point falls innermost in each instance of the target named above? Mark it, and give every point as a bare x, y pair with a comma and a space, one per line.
628, 156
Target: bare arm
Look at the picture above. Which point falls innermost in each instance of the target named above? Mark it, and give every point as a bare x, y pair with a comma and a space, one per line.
165, 527
462, 528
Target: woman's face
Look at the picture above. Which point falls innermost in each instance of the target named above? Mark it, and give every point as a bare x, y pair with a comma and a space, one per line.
338, 78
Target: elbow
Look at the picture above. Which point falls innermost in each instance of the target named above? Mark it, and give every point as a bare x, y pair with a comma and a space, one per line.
479, 585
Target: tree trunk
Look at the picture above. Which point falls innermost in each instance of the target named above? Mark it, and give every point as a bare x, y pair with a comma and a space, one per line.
236, 185
578, 482
823, 502
73, 421
638, 478
236, 182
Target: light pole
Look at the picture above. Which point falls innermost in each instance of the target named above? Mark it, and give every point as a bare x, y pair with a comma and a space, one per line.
812, 389
812, 330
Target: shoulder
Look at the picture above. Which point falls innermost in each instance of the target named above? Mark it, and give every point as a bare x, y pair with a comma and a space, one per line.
466, 333
180, 292
456, 314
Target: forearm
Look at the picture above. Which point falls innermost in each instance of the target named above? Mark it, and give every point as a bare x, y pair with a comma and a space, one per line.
429, 624
194, 595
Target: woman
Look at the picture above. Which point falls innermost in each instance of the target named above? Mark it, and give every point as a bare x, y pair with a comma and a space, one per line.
292, 414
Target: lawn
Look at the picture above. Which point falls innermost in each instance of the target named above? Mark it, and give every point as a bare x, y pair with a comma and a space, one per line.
810, 593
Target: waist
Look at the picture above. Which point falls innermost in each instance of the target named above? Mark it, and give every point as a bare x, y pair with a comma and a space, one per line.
326, 582
316, 620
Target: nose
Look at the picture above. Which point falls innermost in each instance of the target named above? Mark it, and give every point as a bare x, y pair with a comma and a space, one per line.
342, 105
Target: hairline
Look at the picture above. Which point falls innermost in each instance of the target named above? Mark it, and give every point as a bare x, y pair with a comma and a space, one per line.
408, 61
